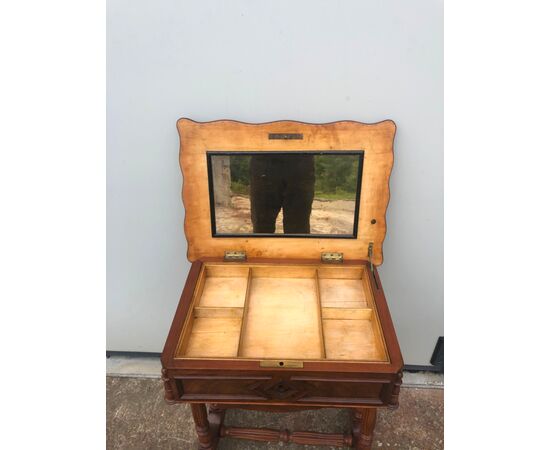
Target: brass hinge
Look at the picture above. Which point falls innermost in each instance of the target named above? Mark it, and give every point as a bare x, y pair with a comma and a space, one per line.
332, 257
371, 248
234, 255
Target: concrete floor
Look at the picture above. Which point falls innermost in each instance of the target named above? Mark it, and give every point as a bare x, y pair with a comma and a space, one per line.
138, 418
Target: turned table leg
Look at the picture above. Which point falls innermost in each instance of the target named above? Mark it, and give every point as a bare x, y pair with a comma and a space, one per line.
200, 416
364, 420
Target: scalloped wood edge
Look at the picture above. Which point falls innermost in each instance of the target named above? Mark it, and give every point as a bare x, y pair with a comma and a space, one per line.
196, 138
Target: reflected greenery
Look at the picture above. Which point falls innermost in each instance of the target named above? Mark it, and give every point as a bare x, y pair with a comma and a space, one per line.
335, 176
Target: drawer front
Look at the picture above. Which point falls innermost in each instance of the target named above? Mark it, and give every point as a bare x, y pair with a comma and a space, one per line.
306, 390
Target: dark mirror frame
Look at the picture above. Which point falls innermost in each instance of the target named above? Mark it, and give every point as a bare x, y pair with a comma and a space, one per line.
210, 154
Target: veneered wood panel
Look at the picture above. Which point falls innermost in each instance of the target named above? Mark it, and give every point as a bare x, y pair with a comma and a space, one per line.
342, 293
283, 320
352, 339
376, 140
223, 291
282, 388
214, 337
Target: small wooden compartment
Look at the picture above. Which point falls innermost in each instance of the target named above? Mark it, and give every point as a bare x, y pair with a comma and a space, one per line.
214, 328
283, 308
303, 312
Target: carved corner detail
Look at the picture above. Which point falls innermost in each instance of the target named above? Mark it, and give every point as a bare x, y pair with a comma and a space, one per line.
394, 400
169, 396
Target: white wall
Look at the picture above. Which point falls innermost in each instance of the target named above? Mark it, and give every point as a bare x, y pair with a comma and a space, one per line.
256, 61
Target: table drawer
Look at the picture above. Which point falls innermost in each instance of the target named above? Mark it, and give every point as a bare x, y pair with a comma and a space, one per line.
297, 389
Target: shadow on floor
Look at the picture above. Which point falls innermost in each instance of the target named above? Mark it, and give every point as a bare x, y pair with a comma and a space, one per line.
138, 418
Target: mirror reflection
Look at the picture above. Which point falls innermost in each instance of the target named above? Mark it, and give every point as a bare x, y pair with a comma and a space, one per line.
284, 193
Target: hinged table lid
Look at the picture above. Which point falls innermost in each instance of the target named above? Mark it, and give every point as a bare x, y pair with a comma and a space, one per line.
286, 190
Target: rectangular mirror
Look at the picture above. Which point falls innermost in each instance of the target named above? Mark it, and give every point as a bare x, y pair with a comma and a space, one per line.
285, 194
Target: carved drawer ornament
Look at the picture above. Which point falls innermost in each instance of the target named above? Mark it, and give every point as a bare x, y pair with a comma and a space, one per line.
281, 389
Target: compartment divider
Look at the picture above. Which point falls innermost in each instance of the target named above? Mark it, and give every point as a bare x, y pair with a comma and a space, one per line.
346, 313
320, 315
219, 312
245, 311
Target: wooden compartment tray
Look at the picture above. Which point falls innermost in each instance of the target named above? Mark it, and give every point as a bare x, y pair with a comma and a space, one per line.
287, 312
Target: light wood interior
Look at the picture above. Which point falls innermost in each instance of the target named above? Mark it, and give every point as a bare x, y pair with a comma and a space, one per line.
224, 289
302, 312
282, 319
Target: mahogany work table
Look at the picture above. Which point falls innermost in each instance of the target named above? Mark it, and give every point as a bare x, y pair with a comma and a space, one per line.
284, 313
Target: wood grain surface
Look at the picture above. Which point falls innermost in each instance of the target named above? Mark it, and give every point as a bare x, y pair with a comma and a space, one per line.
376, 140
283, 312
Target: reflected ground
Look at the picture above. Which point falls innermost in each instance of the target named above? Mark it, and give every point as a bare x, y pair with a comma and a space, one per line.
327, 216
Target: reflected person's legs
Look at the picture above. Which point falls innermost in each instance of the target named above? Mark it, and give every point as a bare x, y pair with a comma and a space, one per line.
266, 194
298, 195
297, 207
